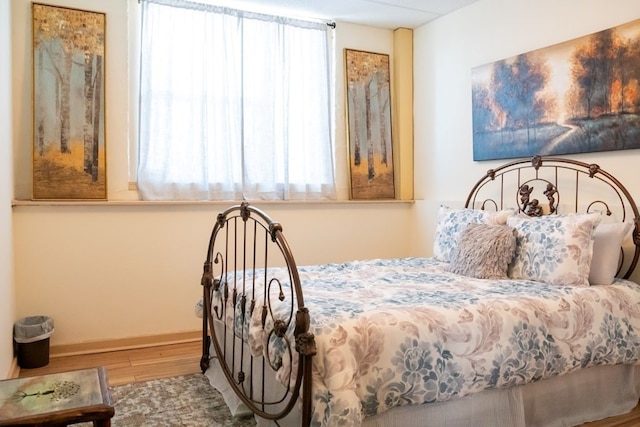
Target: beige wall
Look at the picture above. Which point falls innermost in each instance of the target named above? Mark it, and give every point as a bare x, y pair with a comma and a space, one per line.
124, 271
445, 52
115, 270
7, 300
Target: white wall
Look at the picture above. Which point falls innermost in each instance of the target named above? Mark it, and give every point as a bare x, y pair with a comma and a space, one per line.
127, 270
445, 52
7, 300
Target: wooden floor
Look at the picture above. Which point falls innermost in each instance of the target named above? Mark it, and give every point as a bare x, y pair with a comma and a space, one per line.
127, 366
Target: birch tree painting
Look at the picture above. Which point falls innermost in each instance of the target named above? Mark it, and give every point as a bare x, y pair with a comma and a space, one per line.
68, 83
369, 119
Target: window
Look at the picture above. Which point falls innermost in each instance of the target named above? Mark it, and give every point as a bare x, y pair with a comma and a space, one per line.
233, 105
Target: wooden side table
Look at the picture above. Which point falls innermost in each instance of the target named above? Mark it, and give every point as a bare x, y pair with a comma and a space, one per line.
57, 399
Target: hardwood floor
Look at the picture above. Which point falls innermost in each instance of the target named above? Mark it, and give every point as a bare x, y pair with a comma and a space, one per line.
127, 366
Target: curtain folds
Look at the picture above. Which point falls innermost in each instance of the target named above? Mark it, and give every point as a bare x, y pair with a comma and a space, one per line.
233, 105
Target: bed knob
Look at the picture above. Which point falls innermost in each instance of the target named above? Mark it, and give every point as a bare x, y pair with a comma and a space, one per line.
536, 162
306, 344
279, 328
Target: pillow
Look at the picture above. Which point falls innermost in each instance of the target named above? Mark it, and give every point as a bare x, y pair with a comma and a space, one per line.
607, 241
554, 249
451, 222
484, 251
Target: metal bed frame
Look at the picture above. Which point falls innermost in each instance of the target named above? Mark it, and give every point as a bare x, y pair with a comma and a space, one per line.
246, 245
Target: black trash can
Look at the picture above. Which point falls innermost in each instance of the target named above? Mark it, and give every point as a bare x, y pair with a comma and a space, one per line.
31, 335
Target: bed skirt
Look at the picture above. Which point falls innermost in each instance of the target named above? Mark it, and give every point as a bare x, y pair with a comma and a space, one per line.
586, 395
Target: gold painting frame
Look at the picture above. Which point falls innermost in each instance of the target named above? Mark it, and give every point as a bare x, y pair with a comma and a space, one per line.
368, 93
69, 147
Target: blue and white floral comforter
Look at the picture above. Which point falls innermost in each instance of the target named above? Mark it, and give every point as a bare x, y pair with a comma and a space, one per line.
405, 331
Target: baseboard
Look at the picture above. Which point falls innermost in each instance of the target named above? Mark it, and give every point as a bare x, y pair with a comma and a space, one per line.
91, 347
14, 371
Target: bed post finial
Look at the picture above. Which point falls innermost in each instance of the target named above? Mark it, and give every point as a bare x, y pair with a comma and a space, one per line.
305, 341
274, 227
221, 219
244, 211
207, 275
536, 162
306, 344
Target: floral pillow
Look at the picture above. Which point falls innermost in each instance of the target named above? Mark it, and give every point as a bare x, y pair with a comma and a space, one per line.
484, 251
554, 249
451, 222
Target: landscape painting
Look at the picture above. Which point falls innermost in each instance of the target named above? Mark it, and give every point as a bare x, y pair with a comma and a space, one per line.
369, 123
575, 97
68, 104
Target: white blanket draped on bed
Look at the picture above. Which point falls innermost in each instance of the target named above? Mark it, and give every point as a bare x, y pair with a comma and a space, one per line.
406, 331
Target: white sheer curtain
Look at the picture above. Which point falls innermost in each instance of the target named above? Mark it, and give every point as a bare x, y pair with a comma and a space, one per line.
233, 105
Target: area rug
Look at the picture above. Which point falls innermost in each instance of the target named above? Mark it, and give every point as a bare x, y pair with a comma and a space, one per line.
187, 400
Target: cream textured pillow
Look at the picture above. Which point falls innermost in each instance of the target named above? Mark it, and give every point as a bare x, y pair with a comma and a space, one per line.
607, 241
451, 222
555, 249
484, 251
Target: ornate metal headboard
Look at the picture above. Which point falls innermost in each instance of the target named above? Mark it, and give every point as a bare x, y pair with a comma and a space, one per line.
553, 185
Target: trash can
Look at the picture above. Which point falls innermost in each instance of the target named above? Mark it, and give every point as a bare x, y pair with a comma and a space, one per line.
31, 334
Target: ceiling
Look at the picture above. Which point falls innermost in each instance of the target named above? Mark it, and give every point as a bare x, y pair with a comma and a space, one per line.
390, 14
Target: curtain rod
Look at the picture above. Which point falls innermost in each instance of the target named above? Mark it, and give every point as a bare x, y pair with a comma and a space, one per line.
331, 24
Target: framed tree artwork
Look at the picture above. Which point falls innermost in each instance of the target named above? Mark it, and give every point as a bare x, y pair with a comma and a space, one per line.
578, 96
68, 104
369, 125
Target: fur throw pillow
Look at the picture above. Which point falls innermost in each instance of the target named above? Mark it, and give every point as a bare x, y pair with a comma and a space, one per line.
484, 251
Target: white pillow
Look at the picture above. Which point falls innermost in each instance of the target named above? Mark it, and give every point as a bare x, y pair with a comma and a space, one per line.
607, 241
451, 222
554, 249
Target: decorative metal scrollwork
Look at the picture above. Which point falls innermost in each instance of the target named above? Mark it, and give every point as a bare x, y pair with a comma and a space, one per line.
483, 206
607, 211
230, 298
529, 206
532, 207
550, 192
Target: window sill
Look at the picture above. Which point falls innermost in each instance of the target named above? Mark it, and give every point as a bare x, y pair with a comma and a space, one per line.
28, 203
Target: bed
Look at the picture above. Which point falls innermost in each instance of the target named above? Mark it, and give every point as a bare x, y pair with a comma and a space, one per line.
525, 314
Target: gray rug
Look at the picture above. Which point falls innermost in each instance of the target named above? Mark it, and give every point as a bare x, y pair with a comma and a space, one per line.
187, 400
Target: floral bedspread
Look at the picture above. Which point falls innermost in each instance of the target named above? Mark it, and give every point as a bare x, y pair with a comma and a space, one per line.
405, 331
